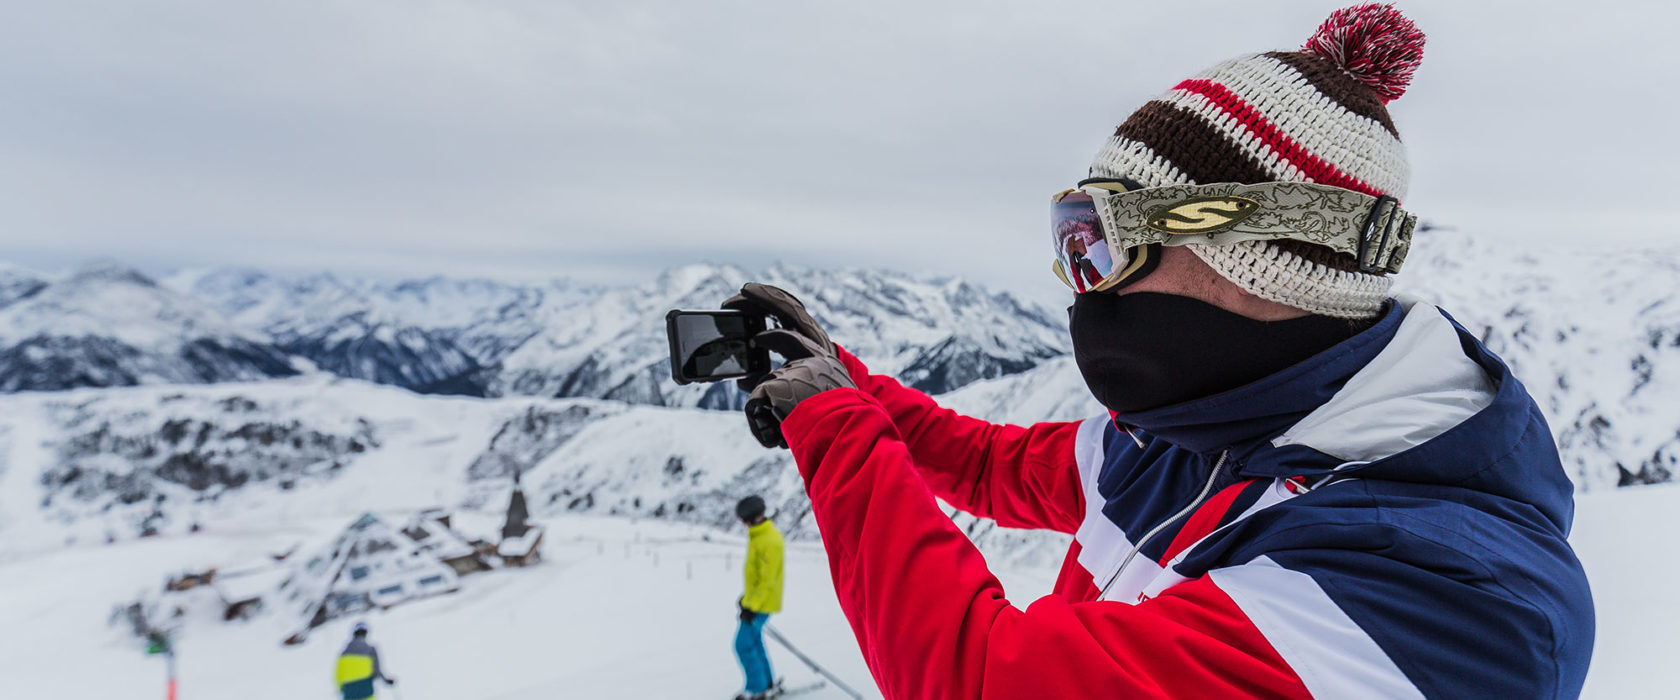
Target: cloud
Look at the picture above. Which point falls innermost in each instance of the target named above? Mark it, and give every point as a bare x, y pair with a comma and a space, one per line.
570, 136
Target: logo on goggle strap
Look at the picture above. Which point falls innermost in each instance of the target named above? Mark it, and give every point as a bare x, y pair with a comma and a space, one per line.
1200, 215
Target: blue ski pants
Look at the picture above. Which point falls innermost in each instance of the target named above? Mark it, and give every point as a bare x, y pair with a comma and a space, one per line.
749, 648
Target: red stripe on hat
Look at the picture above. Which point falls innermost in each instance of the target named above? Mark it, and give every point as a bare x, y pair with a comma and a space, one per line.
1274, 138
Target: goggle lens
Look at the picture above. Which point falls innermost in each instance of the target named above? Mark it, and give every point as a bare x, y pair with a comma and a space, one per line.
1082, 258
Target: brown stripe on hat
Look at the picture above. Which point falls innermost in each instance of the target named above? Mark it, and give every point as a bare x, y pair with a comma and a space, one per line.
1337, 84
1200, 150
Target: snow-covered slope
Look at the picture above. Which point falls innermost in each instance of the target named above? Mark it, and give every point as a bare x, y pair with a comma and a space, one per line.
1593, 334
18, 283
91, 464
1051, 391
616, 610
620, 609
111, 326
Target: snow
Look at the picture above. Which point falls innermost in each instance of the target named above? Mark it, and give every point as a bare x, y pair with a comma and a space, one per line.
618, 611
238, 586
1619, 536
621, 608
1594, 334
640, 604
370, 563
561, 339
111, 301
1052, 391
437, 540
520, 546
611, 611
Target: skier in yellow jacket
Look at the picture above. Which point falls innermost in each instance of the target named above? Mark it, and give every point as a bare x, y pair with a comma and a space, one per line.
763, 595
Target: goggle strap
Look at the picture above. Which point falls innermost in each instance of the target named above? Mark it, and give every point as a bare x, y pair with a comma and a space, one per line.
1369, 264
1337, 218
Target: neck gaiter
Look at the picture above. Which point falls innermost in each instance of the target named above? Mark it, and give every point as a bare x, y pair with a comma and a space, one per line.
1147, 350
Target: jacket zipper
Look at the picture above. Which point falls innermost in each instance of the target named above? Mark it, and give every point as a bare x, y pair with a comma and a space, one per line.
1206, 489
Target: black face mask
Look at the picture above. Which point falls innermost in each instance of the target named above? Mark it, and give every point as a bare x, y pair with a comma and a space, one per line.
1146, 350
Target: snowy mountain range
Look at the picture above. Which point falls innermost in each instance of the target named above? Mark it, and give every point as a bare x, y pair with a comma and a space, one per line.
111, 326
1593, 334
483, 338
245, 389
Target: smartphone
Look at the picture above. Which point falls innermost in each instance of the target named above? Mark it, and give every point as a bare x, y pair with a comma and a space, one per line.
710, 346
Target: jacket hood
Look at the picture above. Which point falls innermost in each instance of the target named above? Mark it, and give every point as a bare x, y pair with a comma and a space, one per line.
1415, 398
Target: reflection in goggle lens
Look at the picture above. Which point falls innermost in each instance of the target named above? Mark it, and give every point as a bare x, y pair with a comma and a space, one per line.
1076, 231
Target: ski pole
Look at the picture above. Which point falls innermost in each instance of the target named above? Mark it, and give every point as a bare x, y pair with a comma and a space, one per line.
173, 687
808, 662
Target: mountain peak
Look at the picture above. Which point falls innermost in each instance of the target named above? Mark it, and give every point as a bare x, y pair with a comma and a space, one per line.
109, 271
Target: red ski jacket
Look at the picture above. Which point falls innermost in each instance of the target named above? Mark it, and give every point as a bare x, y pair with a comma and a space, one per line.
1419, 560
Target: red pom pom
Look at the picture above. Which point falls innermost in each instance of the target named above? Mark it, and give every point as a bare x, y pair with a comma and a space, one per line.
1376, 43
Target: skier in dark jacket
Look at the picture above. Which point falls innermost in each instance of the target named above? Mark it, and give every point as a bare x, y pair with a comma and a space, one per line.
1304, 487
358, 666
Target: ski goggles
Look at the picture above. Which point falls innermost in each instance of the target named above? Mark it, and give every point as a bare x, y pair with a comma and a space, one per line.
1109, 232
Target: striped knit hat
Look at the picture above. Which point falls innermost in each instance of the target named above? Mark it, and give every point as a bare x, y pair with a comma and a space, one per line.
1314, 115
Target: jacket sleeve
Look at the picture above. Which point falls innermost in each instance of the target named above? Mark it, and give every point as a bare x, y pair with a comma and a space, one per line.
1021, 477
932, 621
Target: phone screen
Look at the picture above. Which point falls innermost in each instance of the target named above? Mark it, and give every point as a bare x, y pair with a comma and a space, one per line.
713, 345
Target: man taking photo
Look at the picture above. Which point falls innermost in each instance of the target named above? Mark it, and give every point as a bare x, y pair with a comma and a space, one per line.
1304, 487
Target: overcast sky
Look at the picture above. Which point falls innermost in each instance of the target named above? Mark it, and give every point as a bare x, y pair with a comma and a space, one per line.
607, 140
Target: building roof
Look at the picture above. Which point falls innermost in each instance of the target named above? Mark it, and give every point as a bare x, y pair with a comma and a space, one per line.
250, 585
515, 547
435, 538
369, 563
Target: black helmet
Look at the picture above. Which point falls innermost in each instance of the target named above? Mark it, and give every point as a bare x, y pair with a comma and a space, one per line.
749, 509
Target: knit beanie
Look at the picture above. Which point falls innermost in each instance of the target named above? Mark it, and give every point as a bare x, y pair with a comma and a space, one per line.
1313, 115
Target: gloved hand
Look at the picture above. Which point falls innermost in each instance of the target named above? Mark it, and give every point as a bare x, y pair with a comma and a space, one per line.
787, 310
811, 370
747, 615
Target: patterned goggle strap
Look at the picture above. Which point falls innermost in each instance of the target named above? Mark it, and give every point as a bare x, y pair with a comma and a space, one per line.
1374, 230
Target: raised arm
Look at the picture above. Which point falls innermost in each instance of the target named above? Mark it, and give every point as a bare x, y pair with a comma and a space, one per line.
933, 622
1021, 477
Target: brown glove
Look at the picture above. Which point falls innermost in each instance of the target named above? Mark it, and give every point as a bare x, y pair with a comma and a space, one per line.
788, 312
811, 370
